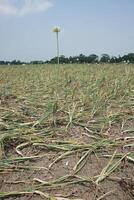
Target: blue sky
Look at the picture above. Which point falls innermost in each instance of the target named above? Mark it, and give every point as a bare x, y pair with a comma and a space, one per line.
88, 26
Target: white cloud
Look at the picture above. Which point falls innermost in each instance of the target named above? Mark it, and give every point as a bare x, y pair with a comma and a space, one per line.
23, 7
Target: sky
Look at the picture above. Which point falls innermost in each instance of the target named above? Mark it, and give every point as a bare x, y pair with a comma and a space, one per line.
87, 26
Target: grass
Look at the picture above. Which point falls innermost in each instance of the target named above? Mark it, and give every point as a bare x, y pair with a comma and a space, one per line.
52, 108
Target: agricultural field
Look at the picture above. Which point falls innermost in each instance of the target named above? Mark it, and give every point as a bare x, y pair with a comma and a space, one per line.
67, 132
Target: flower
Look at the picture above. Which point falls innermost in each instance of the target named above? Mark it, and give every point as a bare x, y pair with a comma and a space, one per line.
56, 29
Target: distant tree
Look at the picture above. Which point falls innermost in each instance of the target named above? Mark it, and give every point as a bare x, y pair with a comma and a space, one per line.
47, 62
37, 62
105, 58
63, 59
2, 62
74, 59
129, 57
119, 59
93, 58
16, 62
113, 59
53, 60
82, 58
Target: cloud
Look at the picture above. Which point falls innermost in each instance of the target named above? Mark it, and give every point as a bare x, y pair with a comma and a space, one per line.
23, 7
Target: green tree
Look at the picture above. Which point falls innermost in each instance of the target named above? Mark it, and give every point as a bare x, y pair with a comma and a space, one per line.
129, 57
105, 58
93, 58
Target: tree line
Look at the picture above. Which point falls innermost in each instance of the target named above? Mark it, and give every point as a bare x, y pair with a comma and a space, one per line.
93, 58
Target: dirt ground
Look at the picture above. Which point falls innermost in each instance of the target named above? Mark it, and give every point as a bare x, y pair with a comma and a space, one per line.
119, 185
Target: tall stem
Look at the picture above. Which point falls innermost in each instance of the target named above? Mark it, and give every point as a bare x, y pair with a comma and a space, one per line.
57, 37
